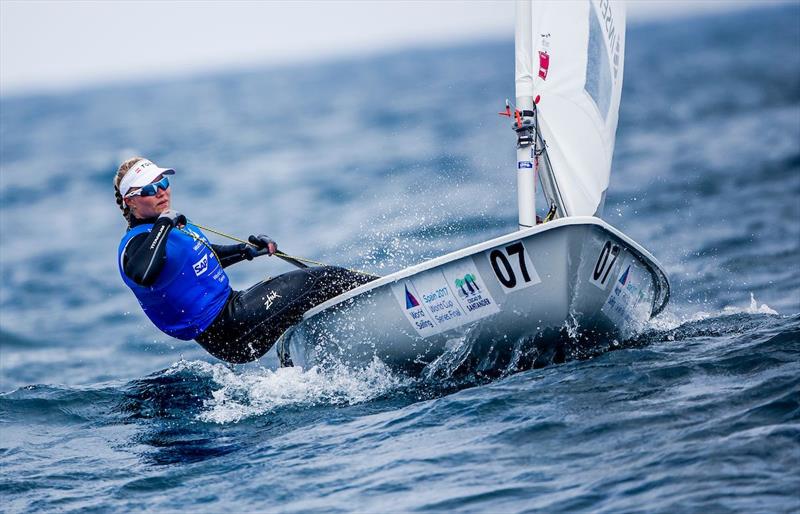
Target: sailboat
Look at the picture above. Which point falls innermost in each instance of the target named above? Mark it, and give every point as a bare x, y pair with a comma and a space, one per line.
572, 279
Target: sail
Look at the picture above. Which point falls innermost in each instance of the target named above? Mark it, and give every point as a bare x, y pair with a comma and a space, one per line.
575, 68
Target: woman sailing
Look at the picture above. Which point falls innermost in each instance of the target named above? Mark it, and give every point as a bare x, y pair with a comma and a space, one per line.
179, 277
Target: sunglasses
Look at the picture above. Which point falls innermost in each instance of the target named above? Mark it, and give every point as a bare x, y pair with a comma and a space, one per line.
150, 189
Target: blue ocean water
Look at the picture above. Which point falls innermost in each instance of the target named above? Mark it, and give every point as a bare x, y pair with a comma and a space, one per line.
379, 163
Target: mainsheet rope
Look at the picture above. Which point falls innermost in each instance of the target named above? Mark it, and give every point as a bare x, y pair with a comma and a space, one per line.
278, 253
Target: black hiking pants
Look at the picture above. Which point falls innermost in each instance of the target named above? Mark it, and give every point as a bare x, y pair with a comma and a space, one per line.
253, 319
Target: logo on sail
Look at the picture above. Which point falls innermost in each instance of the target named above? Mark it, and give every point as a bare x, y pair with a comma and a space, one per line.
544, 64
606, 16
544, 56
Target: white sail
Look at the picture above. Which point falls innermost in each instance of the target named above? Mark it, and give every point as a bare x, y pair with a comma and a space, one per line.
575, 71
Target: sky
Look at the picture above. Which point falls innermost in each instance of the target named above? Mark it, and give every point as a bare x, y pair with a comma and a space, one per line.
63, 44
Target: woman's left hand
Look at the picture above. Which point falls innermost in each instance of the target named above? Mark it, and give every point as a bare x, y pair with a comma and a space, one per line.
263, 245
251, 252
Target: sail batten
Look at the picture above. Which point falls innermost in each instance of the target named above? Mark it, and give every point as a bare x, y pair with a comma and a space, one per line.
575, 65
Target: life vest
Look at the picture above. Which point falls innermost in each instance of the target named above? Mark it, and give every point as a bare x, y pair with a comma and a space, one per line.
191, 289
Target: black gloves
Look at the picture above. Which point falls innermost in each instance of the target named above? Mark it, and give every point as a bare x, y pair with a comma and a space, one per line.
262, 244
176, 219
250, 252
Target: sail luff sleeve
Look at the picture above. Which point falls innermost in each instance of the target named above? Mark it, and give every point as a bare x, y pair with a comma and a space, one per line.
523, 63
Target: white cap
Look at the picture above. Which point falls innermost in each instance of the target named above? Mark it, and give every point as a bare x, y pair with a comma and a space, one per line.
141, 174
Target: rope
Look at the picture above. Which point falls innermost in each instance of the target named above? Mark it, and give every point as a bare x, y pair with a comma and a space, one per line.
551, 213
196, 238
278, 253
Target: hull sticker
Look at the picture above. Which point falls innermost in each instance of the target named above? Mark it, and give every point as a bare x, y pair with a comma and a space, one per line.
444, 298
416, 314
513, 267
470, 290
626, 294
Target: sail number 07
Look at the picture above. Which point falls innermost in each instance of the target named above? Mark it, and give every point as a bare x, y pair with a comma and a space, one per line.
513, 267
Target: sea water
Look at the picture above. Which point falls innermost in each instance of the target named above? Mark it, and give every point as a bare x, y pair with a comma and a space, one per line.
100, 412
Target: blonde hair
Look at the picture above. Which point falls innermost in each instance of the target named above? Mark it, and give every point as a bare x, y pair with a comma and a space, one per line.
121, 171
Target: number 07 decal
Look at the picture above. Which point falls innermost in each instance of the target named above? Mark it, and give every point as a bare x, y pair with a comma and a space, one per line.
513, 267
605, 263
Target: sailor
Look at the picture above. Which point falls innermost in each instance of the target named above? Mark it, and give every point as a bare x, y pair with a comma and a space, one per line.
179, 277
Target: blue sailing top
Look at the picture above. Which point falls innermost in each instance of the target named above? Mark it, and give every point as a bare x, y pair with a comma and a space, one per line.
191, 289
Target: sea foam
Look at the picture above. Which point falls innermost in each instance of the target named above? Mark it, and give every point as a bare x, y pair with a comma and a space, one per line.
246, 393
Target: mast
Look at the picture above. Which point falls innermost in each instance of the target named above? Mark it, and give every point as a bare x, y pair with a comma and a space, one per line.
526, 170
533, 161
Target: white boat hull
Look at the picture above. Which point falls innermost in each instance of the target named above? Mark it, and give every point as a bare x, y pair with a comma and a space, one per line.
567, 288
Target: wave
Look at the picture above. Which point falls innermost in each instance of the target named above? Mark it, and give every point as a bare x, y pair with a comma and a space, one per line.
57, 405
738, 341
